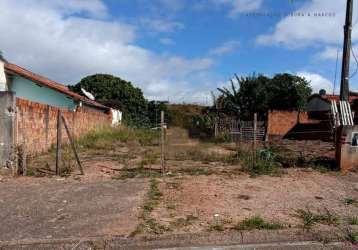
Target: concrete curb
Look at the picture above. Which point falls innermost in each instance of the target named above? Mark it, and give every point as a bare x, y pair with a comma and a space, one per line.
229, 238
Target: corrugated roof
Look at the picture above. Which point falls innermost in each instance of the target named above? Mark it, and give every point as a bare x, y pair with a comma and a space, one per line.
17, 70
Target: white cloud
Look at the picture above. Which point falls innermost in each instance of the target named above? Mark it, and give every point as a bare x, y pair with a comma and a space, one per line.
330, 53
298, 31
166, 41
317, 81
94, 8
225, 48
240, 6
46, 38
161, 25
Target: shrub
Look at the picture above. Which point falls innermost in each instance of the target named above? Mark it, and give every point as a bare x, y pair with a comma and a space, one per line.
265, 163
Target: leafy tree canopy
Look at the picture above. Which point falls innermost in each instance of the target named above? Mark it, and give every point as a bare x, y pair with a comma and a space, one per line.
258, 94
116, 93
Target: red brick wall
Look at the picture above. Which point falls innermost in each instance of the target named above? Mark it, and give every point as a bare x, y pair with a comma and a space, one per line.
36, 124
281, 122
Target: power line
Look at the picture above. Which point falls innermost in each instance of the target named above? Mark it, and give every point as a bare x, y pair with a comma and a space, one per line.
355, 58
335, 74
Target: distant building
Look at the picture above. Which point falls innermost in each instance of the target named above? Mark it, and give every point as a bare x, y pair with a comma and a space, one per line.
318, 103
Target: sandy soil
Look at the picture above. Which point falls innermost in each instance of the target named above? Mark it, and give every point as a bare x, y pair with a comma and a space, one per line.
239, 197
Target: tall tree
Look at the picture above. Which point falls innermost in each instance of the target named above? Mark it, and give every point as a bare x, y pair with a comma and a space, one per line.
258, 94
114, 92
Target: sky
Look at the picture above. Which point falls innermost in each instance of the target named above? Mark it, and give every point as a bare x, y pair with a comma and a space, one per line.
178, 50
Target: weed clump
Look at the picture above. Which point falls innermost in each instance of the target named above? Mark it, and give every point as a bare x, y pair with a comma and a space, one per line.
183, 222
309, 218
150, 224
200, 156
353, 221
257, 222
216, 227
351, 236
350, 201
265, 163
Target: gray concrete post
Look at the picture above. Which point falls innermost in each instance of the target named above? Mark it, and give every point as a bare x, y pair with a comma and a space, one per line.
7, 129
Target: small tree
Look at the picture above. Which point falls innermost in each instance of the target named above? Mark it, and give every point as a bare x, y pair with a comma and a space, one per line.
322, 92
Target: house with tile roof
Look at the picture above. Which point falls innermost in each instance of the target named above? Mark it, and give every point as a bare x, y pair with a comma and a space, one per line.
318, 103
29, 107
33, 87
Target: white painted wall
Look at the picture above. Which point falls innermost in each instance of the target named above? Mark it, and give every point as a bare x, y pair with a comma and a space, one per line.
3, 85
116, 117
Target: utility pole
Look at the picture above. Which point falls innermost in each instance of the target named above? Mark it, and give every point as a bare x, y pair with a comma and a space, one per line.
346, 52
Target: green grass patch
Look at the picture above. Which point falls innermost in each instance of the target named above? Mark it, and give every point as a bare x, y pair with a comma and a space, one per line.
350, 201
183, 222
149, 224
195, 171
138, 172
216, 227
153, 197
353, 220
263, 162
257, 222
200, 156
351, 236
107, 137
149, 158
309, 218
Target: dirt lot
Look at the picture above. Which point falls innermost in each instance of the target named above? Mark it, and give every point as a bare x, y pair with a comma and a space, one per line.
45, 208
235, 198
206, 189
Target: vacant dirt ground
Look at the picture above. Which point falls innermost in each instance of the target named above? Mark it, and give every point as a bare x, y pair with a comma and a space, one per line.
235, 198
205, 187
39, 208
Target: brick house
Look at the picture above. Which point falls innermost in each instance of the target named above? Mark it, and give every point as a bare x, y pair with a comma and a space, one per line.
314, 123
29, 106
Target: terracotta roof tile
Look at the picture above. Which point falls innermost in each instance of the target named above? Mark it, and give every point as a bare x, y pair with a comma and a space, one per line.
329, 98
14, 69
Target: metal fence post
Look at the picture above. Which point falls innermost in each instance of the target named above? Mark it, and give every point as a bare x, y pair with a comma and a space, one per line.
162, 141
254, 139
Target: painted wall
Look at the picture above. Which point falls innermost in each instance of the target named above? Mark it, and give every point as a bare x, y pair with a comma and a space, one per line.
3, 86
29, 90
347, 151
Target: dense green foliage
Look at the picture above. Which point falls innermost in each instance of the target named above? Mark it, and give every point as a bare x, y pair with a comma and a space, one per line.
116, 93
154, 113
258, 94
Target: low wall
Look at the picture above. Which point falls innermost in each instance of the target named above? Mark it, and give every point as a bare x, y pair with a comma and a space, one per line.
279, 123
347, 148
36, 124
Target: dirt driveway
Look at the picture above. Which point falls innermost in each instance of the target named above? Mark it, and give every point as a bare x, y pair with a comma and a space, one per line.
55, 207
